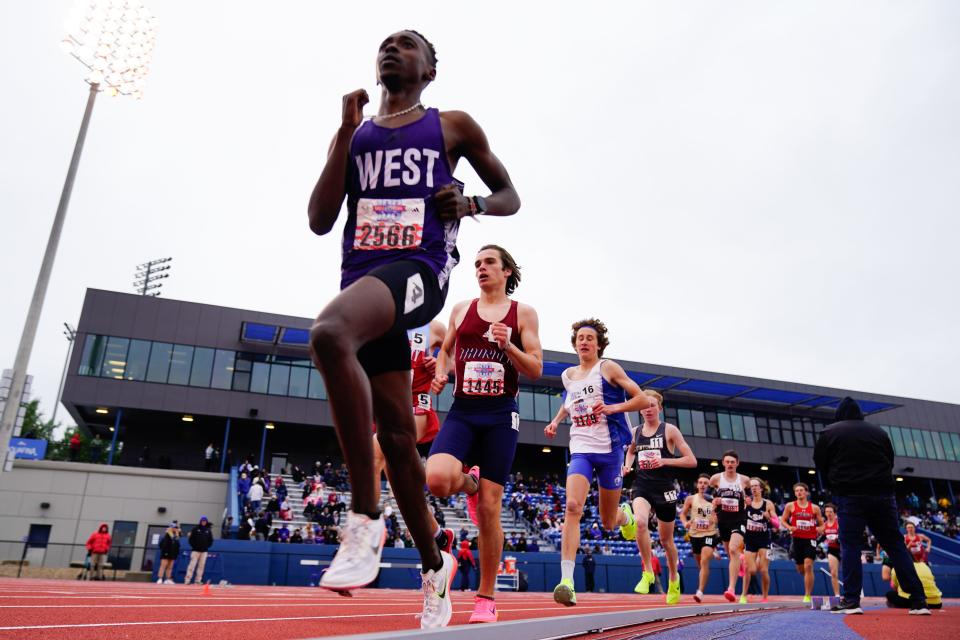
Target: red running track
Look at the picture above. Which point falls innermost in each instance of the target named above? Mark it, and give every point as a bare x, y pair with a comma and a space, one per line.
63, 610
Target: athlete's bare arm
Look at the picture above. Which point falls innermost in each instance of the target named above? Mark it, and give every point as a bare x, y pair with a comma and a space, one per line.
769, 513
676, 442
820, 521
614, 373
331, 188
551, 429
445, 355
685, 518
745, 483
465, 139
787, 512
529, 360
629, 458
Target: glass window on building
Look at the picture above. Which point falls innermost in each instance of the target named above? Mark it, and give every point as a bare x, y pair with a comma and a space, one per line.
723, 420
955, 438
809, 438
909, 449
526, 405
918, 443
299, 381
445, 399
138, 357
934, 449
160, 354
685, 422
317, 389
670, 415
541, 407
738, 431
259, 377
115, 358
279, 379
897, 439
947, 444
763, 434
556, 401
713, 431
180, 360
775, 436
93, 348
750, 426
222, 369
241, 374
699, 423
202, 367
787, 436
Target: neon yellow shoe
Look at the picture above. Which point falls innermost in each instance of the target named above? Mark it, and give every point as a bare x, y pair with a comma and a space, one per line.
673, 591
743, 599
807, 599
646, 580
629, 530
564, 594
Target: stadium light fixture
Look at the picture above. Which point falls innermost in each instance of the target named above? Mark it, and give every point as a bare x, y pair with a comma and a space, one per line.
714, 463
103, 410
546, 449
187, 418
812, 472
764, 467
269, 425
899, 478
114, 41
148, 276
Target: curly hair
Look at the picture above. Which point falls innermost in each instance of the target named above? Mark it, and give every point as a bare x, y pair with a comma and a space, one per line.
591, 323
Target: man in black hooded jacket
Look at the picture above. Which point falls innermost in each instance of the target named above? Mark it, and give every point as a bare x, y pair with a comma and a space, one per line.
856, 458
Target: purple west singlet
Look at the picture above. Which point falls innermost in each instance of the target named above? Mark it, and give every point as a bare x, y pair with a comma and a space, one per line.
392, 177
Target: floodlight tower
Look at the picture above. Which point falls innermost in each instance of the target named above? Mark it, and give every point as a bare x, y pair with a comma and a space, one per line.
148, 274
114, 40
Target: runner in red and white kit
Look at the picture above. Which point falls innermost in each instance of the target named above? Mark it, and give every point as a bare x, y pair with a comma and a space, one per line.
492, 340
424, 341
831, 532
918, 544
805, 523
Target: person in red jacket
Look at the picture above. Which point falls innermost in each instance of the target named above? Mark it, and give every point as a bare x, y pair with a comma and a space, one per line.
98, 544
75, 445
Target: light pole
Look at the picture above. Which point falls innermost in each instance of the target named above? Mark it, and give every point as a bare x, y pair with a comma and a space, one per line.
148, 274
71, 335
114, 40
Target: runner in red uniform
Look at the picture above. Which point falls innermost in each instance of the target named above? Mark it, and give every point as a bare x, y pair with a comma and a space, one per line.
805, 523
918, 544
831, 531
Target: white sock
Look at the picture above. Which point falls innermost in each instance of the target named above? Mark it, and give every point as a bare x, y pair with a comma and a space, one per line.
566, 569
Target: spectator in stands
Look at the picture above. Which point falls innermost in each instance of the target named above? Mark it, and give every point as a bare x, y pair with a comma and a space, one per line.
284, 533
255, 494
96, 449
280, 488
465, 562
589, 567
331, 536
245, 530
464, 533
285, 512
75, 445
98, 545
310, 537
856, 459
200, 539
208, 458
398, 542
261, 527
226, 528
243, 487
274, 535
521, 545
296, 537
169, 550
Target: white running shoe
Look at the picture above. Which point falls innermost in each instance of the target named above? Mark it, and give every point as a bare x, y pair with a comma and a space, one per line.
437, 606
357, 561
160, 581
169, 582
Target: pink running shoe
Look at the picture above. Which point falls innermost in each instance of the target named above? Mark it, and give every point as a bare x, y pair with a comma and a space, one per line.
730, 596
763, 599
484, 610
474, 500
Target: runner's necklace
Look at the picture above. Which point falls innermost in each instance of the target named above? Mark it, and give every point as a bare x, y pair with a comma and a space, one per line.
404, 112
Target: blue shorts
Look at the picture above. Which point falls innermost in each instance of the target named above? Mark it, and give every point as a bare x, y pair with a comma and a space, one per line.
482, 431
607, 465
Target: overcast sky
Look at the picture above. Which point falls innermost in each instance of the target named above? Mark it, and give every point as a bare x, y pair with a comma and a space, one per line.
760, 188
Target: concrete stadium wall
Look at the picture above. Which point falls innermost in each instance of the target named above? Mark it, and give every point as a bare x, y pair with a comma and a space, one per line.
81, 496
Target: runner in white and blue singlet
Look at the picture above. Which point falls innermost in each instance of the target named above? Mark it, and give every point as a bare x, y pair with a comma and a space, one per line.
595, 399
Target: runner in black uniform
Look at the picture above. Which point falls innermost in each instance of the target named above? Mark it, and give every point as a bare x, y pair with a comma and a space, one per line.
728, 501
761, 520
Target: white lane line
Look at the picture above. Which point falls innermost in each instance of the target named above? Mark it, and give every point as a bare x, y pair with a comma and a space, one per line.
244, 620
